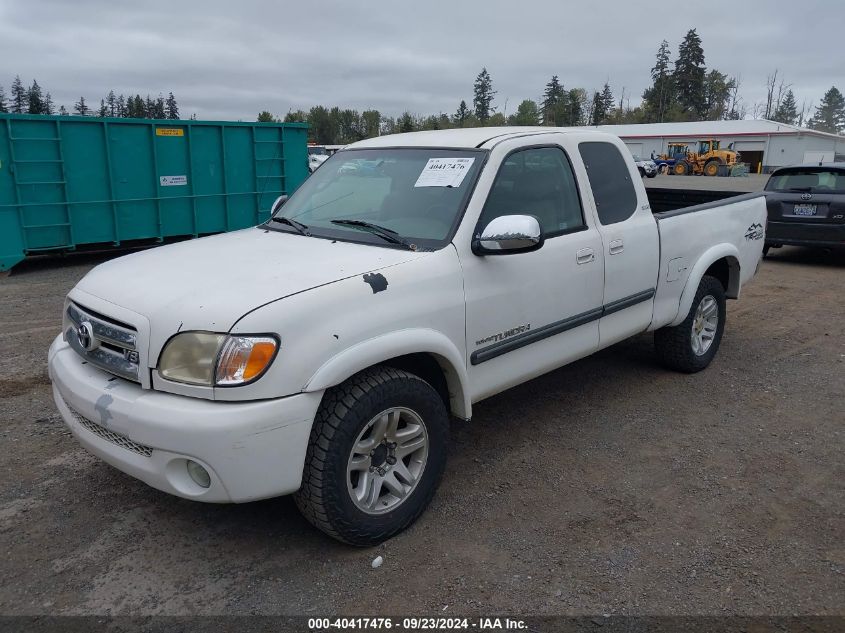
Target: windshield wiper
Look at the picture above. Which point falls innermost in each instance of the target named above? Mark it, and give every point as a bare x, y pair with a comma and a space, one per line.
299, 227
806, 189
383, 232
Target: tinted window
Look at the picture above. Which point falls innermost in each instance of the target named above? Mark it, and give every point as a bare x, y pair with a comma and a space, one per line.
616, 199
538, 182
815, 180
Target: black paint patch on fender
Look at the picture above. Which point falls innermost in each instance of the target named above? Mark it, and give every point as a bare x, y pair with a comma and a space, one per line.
377, 281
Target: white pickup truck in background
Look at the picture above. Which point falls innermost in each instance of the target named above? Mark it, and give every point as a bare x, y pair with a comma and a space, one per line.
323, 352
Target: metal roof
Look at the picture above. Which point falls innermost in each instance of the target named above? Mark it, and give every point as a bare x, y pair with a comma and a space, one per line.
703, 129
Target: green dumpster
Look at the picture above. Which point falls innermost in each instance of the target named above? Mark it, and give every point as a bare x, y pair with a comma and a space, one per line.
69, 181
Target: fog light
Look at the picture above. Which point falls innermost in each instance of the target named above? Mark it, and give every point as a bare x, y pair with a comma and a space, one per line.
199, 474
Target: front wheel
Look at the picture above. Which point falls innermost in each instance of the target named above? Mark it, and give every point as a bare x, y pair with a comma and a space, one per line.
375, 457
711, 168
691, 346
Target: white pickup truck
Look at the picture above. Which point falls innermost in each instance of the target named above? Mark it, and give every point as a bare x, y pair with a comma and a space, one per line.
323, 352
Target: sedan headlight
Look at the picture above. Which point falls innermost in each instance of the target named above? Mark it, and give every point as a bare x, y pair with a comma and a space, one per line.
208, 359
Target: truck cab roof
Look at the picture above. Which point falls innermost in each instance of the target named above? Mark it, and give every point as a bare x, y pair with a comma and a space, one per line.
464, 138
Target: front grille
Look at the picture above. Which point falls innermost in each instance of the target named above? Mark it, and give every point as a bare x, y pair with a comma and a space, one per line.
112, 345
110, 436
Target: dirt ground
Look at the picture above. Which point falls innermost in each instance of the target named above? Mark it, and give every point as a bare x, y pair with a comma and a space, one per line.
608, 486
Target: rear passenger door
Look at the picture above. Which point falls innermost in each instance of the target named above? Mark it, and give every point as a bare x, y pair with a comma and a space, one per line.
630, 241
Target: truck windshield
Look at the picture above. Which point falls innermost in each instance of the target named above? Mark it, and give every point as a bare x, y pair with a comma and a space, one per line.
808, 180
416, 194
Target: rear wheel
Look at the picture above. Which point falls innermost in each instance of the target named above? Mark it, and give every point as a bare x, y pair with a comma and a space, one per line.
691, 346
375, 457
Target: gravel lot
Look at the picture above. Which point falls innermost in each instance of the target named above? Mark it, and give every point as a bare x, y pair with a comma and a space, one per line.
740, 184
609, 486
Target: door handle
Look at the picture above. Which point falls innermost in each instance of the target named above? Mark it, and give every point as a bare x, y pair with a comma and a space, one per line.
585, 256
616, 247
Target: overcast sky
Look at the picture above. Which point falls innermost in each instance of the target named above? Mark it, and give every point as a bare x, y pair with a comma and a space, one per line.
230, 59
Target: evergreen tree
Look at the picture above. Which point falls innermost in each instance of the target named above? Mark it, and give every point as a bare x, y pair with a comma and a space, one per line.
689, 76
658, 98
554, 102
527, 113
266, 117
787, 111
103, 111
135, 109
170, 107
81, 108
149, 108
830, 113
575, 101
460, 117
717, 95
483, 93
602, 105
35, 99
159, 108
3, 105
405, 123
47, 105
20, 102
122, 110
111, 103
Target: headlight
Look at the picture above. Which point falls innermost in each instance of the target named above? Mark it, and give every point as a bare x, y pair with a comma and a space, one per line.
204, 358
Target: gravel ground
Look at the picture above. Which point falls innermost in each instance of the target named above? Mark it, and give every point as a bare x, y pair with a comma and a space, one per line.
608, 486
743, 184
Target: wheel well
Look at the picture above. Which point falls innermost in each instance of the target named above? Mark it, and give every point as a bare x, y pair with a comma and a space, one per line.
726, 270
427, 367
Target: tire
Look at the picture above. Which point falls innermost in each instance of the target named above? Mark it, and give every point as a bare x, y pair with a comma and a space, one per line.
682, 168
676, 346
711, 168
652, 175
642, 172
347, 418
766, 249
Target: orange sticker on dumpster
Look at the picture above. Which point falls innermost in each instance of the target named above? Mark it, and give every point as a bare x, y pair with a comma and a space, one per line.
169, 131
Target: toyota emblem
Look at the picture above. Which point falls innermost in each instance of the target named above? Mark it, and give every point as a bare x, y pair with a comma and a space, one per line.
806, 196
85, 335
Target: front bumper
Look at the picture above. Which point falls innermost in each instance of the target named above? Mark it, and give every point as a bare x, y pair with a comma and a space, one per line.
252, 450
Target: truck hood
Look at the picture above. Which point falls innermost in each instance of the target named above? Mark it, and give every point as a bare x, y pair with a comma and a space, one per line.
209, 283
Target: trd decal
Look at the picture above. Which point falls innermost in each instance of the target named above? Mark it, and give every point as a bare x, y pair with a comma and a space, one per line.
754, 232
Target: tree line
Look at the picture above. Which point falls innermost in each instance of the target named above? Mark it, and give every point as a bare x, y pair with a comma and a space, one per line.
35, 100
681, 90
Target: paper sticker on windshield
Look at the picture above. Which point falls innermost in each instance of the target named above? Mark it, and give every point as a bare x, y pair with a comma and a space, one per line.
444, 172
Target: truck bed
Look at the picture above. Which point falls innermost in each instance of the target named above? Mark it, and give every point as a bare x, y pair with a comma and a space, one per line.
692, 238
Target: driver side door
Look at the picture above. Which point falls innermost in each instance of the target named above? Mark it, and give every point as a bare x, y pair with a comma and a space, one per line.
530, 312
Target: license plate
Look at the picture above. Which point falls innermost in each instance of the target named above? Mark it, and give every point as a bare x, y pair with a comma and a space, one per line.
804, 209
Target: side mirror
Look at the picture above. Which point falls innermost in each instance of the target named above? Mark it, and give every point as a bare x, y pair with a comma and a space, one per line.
509, 234
278, 204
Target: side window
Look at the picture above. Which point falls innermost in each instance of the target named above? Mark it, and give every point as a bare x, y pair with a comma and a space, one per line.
538, 182
614, 193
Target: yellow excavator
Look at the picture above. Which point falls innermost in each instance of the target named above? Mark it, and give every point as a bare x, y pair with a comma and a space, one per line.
706, 160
